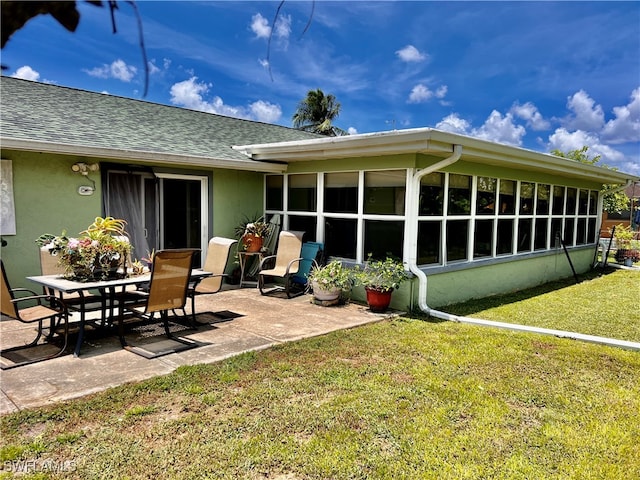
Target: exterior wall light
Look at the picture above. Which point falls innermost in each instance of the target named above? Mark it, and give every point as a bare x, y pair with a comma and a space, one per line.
84, 169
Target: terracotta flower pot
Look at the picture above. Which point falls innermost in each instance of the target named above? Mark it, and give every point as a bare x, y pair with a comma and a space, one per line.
252, 243
378, 301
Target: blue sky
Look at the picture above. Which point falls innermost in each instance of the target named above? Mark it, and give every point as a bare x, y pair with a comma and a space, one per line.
539, 75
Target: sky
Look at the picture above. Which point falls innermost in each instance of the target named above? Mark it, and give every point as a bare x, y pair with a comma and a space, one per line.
537, 75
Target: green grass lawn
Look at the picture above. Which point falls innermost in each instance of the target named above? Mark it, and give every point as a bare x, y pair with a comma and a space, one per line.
606, 305
403, 398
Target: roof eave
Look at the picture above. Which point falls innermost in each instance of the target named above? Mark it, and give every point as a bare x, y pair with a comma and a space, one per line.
141, 156
434, 142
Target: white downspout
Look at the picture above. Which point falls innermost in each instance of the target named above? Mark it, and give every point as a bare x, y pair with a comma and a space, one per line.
412, 246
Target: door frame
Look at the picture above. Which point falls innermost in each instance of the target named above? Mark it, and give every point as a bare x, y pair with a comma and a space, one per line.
204, 206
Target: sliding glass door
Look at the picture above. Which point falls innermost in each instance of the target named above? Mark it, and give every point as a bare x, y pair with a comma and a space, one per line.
163, 211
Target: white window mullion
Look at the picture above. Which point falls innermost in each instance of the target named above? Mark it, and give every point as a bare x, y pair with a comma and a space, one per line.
320, 207
360, 224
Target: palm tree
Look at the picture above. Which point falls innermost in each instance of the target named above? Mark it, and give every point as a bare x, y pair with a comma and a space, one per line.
316, 112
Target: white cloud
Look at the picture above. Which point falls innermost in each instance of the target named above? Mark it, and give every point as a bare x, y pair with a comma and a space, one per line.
260, 26
118, 70
352, 131
283, 27
529, 112
26, 73
421, 93
566, 141
153, 69
191, 94
454, 124
625, 127
586, 115
411, 54
501, 129
441, 92
265, 112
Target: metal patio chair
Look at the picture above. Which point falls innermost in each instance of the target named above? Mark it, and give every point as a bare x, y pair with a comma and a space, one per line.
214, 263
168, 288
286, 263
39, 308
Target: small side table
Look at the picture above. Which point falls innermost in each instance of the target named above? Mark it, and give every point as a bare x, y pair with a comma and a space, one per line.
245, 258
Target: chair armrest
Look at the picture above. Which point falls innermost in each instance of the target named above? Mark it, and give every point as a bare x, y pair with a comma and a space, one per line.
40, 298
23, 290
292, 262
264, 260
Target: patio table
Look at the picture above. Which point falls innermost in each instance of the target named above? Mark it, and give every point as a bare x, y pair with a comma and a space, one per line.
110, 288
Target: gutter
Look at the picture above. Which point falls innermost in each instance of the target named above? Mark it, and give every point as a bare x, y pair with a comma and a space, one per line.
412, 246
422, 277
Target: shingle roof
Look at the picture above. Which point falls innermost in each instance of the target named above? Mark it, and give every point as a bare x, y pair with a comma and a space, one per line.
38, 112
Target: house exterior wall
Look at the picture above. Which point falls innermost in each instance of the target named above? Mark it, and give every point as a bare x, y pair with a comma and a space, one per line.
47, 201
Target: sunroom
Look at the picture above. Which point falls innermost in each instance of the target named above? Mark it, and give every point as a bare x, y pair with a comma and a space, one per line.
475, 217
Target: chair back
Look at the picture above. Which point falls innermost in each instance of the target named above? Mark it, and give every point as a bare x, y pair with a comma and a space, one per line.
6, 304
289, 248
309, 254
216, 263
49, 263
169, 280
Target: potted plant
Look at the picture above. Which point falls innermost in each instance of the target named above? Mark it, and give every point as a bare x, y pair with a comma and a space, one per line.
379, 279
251, 233
331, 281
627, 249
99, 253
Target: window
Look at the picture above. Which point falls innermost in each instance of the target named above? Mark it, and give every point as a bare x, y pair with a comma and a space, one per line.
486, 196
340, 237
583, 202
558, 200
341, 192
429, 237
526, 198
507, 197
383, 238
459, 194
540, 234
384, 192
542, 200
304, 224
457, 240
483, 241
302, 192
572, 198
432, 194
461, 218
504, 244
524, 234
275, 192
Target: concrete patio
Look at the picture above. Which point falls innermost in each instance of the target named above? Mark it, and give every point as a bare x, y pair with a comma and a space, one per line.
245, 321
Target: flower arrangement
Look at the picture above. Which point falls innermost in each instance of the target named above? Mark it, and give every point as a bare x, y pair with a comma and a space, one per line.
382, 275
99, 253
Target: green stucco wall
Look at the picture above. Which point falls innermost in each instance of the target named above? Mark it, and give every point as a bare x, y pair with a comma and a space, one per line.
235, 194
46, 201
454, 286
